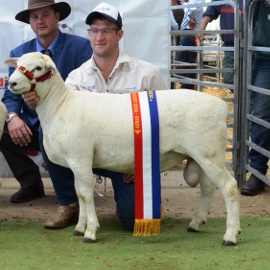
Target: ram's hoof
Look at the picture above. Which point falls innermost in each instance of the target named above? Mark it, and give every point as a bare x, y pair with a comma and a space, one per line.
191, 230
77, 233
88, 240
228, 243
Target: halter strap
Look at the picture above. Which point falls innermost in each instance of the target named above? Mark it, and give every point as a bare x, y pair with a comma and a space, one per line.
30, 76
26, 72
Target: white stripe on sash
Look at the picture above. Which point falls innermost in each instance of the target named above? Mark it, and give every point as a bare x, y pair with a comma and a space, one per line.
147, 156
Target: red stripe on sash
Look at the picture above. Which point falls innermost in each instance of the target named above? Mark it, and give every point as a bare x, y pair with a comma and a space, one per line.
138, 155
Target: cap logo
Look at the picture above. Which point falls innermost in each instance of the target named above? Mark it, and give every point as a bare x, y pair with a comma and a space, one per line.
103, 9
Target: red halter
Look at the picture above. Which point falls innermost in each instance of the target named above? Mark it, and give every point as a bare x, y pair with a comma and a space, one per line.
30, 76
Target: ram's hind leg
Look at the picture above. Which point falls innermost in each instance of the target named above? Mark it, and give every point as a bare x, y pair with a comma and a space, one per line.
222, 179
206, 197
229, 190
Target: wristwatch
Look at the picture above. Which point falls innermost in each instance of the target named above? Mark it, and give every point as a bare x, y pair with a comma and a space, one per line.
9, 117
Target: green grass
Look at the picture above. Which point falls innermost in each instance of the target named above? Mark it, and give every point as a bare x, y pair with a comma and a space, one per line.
27, 245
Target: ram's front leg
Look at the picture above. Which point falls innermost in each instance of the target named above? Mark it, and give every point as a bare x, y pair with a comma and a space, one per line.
88, 222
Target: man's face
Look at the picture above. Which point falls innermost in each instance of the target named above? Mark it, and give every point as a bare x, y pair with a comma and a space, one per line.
44, 21
104, 37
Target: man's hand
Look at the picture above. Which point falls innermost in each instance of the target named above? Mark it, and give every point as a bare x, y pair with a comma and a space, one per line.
19, 132
30, 98
200, 36
128, 178
192, 24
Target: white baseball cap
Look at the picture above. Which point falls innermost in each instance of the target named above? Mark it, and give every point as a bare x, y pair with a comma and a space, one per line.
108, 11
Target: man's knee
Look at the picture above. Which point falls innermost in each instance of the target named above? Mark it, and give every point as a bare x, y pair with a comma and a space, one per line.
126, 216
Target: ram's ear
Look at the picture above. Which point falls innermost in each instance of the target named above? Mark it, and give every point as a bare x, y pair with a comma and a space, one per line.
12, 62
49, 64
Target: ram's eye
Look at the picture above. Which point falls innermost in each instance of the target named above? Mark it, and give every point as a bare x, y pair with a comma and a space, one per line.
38, 68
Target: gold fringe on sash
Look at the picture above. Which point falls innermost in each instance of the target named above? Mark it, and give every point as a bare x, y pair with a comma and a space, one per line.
146, 227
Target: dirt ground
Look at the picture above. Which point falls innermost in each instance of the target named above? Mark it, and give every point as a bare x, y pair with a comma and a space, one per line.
179, 201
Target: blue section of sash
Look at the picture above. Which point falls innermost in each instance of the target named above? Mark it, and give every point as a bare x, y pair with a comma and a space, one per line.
156, 186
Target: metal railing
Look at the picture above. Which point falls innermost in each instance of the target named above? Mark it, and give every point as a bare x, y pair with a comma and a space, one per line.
203, 71
248, 118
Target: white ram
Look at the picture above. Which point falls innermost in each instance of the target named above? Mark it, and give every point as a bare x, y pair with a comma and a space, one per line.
92, 130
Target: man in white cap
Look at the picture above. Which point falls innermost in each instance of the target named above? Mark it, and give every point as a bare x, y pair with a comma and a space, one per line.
116, 71
112, 71
22, 130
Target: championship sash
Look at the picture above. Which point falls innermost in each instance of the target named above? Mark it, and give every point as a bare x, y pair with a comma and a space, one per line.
146, 164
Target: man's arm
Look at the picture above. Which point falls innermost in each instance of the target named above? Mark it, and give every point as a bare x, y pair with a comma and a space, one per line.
72, 79
19, 132
154, 79
204, 23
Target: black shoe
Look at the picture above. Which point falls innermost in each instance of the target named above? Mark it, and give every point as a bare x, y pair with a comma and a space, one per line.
27, 194
253, 186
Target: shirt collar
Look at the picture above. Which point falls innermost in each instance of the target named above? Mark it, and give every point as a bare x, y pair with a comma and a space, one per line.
39, 47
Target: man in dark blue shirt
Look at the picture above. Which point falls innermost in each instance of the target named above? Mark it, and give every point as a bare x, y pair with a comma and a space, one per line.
226, 14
